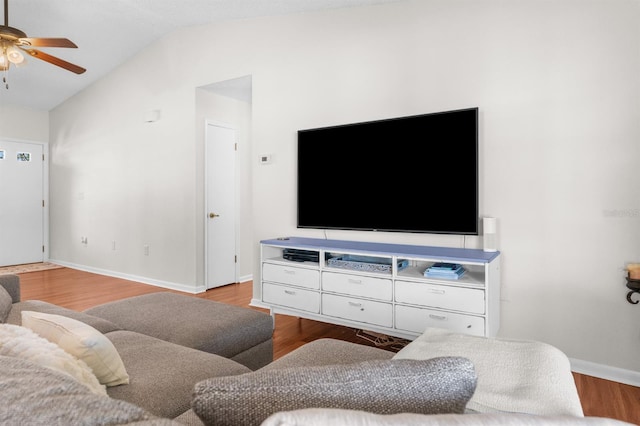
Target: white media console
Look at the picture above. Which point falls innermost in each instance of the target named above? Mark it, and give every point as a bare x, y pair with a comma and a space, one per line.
382, 296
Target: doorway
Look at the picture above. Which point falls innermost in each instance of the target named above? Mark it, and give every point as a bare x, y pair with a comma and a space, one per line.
220, 204
22, 205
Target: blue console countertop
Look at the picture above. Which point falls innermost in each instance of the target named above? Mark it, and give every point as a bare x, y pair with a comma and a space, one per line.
430, 252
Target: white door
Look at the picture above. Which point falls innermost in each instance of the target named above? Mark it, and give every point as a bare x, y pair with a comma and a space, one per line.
21, 203
220, 170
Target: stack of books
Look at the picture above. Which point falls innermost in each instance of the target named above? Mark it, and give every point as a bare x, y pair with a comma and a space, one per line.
449, 271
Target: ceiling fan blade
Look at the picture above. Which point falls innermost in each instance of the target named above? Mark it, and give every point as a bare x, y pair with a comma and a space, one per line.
55, 61
46, 42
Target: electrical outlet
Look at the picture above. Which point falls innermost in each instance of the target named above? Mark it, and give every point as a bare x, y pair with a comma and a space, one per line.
146, 250
113, 245
84, 240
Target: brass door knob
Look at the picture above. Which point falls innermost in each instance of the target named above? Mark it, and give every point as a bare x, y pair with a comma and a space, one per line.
212, 215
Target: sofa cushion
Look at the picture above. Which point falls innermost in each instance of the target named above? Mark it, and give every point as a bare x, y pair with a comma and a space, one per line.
100, 324
328, 351
439, 385
5, 304
34, 395
20, 342
82, 341
203, 324
513, 375
11, 283
163, 374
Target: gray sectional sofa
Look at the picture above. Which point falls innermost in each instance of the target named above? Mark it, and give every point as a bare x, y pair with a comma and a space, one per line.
163, 375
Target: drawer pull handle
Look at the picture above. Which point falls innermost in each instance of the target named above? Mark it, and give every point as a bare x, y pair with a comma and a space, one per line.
290, 292
437, 317
434, 291
289, 271
356, 305
352, 281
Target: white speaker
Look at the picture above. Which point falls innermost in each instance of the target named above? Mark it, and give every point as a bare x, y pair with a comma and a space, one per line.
490, 234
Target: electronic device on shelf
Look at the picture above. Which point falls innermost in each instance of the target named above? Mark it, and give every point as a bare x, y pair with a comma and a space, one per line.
366, 263
298, 255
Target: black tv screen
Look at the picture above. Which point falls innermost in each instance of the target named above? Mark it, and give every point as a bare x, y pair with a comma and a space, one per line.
409, 174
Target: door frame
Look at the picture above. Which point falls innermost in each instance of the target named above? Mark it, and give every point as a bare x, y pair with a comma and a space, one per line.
207, 222
45, 191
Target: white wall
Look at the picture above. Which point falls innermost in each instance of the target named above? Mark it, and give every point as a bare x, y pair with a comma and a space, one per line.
23, 124
558, 87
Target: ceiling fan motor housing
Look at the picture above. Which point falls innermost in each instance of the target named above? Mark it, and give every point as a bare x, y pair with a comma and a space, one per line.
11, 34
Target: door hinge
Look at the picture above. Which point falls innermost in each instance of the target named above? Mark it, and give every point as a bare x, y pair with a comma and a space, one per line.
235, 146
43, 249
42, 203
235, 259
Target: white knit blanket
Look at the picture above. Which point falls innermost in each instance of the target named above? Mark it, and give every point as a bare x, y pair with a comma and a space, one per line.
513, 375
21, 342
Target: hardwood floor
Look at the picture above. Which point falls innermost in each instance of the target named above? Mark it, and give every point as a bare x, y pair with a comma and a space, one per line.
80, 290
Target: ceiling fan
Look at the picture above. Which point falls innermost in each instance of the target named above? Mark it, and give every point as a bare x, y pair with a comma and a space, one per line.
13, 42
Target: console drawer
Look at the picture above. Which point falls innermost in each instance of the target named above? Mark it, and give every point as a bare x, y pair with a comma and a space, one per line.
358, 285
351, 308
416, 320
441, 296
301, 277
290, 297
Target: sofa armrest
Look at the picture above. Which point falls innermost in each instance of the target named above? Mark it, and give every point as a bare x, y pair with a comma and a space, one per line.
11, 283
340, 417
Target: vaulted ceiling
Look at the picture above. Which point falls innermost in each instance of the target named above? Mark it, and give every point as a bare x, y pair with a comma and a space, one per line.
108, 32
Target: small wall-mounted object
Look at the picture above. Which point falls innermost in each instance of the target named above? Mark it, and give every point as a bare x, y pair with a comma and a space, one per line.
633, 281
152, 116
265, 159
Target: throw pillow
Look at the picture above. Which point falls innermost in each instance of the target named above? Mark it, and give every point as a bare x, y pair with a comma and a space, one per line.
82, 341
20, 342
34, 395
513, 375
6, 303
439, 385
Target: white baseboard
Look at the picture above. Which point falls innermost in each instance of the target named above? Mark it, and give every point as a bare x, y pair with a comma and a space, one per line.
136, 278
245, 278
606, 372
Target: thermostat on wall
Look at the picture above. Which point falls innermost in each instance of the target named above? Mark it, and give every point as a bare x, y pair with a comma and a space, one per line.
265, 159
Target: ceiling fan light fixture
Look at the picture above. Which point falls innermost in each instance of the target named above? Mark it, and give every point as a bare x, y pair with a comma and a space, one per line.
12, 41
14, 55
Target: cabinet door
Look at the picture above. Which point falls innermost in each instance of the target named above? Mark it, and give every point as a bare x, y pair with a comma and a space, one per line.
291, 297
354, 309
301, 277
357, 285
416, 320
441, 296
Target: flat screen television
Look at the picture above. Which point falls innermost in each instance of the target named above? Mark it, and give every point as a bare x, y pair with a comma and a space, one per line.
409, 174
